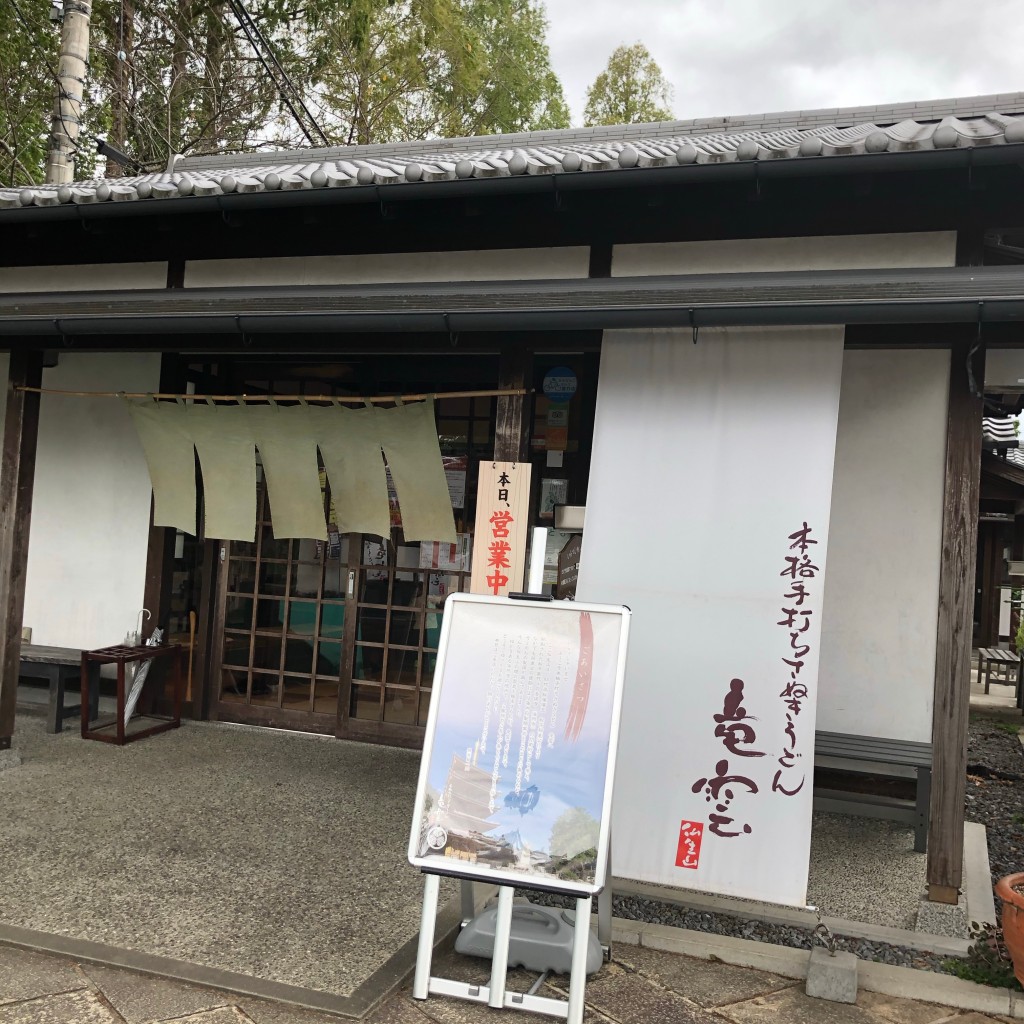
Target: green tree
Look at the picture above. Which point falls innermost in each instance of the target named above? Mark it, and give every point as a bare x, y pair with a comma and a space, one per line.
29, 44
574, 830
414, 69
182, 77
630, 90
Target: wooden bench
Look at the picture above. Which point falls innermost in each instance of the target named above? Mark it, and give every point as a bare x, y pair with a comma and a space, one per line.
870, 755
1005, 663
57, 665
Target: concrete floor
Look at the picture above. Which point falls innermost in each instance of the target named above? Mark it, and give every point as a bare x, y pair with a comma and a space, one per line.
273, 855
280, 856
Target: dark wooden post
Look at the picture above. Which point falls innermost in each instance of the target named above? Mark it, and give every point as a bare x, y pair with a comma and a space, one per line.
17, 474
956, 609
512, 425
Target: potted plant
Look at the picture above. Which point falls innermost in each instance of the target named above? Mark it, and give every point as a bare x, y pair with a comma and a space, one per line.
1010, 890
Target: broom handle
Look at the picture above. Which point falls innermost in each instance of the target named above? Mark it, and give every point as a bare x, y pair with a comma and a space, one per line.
191, 647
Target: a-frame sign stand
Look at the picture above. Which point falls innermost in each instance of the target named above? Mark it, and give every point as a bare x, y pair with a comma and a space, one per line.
546, 678
495, 994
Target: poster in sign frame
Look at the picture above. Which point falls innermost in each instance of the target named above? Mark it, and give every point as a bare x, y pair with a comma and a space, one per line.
515, 782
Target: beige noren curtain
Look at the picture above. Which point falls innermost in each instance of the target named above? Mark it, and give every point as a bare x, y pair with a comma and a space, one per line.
350, 441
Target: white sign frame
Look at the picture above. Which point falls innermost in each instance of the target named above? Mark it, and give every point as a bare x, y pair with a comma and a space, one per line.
444, 865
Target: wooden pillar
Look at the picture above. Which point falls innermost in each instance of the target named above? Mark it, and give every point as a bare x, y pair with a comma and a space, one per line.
512, 425
956, 605
17, 474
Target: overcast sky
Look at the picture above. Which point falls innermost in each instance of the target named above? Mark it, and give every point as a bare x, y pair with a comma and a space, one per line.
754, 56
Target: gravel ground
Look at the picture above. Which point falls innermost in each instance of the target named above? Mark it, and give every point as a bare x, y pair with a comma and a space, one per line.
995, 792
995, 798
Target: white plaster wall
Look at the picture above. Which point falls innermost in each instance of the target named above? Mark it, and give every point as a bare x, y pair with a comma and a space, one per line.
79, 278
384, 268
90, 509
811, 252
879, 617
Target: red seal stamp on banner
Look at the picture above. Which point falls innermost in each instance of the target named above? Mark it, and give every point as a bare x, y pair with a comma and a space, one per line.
688, 850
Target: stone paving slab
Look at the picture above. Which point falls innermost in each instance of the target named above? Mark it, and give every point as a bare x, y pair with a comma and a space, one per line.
224, 1015
25, 975
704, 982
640, 986
904, 1011
140, 999
83, 1007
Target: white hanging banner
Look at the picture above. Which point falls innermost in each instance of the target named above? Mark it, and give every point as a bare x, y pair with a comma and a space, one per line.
499, 538
707, 514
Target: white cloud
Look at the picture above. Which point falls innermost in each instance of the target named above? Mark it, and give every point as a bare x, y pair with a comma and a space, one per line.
748, 56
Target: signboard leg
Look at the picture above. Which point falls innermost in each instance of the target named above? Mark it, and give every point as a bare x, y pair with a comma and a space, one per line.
604, 909
578, 970
604, 919
502, 934
467, 900
425, 950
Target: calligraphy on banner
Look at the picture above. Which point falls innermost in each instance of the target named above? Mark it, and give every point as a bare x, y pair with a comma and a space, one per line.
735, 726
502, 519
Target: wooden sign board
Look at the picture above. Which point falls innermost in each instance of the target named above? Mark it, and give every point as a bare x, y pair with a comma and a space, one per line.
515, 782
502, 521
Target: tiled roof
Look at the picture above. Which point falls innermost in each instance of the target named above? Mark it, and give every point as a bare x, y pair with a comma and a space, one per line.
935, 125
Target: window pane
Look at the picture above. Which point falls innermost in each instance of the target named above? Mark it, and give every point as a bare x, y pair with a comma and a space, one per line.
325, 701
424, 709
266, 652
264, 689
269, 614
335, 580
236, 649
328, 659
332, 620
370, 624
365, 703
298, 655
233, 685
273, 548
429, 664
273, 576
296, 693
241, 575
405, 628
302, 617
402, 666
369, 663
305, 579
238, 613
400, 706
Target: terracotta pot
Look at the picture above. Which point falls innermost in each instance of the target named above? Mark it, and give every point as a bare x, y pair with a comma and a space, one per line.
1013, 920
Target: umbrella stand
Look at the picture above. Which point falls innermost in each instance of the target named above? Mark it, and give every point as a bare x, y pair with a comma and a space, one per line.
139, 679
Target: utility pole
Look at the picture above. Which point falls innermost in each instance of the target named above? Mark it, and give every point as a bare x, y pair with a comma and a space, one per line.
67, 107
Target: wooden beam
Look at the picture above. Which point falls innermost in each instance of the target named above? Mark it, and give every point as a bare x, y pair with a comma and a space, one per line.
17, 475
512, 425
955, 618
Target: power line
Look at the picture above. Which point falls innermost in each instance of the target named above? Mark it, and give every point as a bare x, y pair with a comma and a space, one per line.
285, 86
